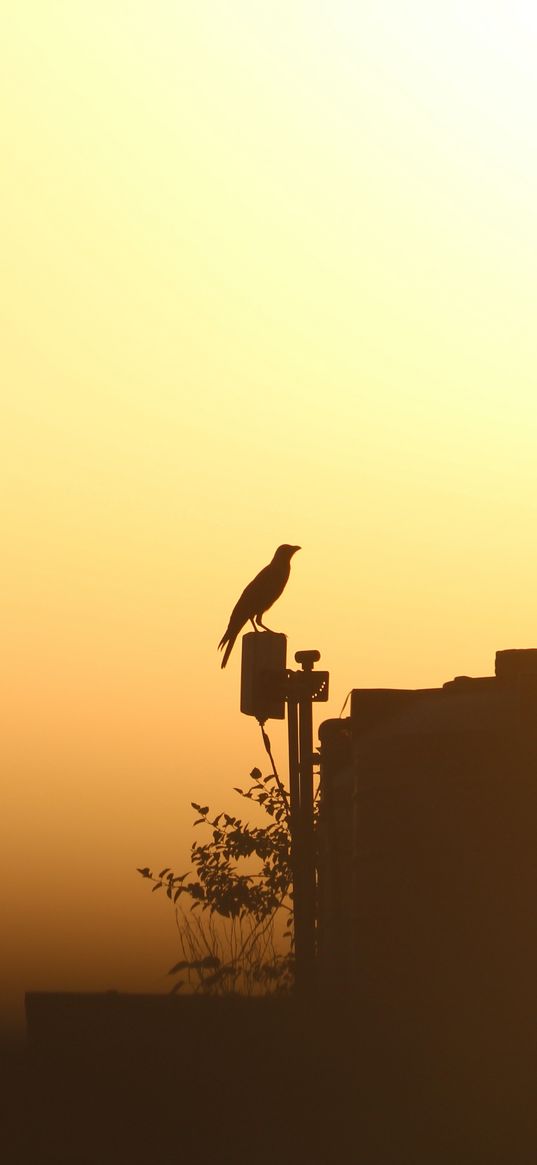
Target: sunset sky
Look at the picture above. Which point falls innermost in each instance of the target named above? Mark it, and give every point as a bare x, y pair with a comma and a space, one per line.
269, 274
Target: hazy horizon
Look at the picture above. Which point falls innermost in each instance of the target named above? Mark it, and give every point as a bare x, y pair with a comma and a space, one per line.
268, 276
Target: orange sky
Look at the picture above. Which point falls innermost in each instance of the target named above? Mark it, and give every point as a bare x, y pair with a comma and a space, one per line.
268, 275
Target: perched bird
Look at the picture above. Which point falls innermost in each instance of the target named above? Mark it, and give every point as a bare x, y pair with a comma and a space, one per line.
258, 596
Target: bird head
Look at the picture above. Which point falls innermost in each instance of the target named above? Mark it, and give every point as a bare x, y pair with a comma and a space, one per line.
286, 551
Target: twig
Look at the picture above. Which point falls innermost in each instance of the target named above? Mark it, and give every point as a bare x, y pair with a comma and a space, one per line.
275, 772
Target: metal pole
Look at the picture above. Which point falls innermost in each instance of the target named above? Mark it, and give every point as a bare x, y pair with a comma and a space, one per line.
307, 846
294, 771
296, 836
301, 691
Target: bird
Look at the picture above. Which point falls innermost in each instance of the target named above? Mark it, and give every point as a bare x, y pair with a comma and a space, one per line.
257, 597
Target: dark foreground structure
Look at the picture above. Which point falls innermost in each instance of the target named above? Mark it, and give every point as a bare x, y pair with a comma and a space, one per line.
113, 1079
421, 1045
428, 905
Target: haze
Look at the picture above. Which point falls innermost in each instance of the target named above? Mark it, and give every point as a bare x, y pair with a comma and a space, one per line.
268, 275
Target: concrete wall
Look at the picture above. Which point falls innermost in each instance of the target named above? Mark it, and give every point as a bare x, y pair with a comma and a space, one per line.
428, 878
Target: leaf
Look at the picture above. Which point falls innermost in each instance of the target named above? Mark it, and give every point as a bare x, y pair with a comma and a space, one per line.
255, 774
196, 806
146, 872
179, 967
164, 871
157, 887
204, 810
177, 986
181, 890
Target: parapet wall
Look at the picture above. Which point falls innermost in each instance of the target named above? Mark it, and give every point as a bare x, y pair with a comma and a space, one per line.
428, 875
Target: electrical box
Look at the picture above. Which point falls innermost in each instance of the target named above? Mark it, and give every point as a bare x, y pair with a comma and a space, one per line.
263, 675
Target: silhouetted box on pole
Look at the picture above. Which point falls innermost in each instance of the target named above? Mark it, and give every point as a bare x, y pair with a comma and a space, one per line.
263, 675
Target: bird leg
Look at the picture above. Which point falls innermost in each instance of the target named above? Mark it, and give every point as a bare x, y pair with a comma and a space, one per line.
264, 626
253, 624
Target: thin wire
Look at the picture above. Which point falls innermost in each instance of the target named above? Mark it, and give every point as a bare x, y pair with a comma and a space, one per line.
345, 704
275, 773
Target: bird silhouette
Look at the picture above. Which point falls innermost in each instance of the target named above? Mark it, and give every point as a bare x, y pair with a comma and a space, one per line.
258, 596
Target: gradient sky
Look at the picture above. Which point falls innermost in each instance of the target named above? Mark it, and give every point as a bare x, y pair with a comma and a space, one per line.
269, 274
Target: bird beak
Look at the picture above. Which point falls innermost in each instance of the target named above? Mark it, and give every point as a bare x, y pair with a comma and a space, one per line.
295, 548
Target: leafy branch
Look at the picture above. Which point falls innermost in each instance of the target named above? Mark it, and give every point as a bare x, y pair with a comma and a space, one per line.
223, 885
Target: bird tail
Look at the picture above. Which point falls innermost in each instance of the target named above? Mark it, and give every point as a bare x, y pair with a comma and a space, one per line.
229, 640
